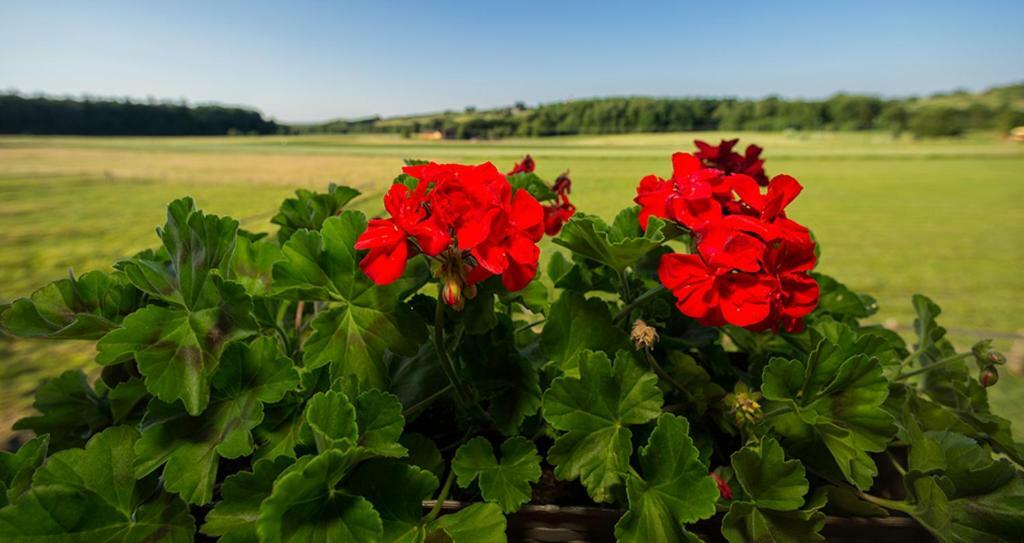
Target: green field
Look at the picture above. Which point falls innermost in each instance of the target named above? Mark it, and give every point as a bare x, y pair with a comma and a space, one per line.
893, 216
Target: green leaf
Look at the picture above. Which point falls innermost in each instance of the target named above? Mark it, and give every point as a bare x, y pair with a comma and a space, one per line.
506, 481
92, 495
191, 447
595, 411
618, 246
370, 321
746, 522
178, 350
771, 481
533, 184
310, 209
423, 453
576, 324
70, 411
774, 491
197, 245
371, 426
840, 397
675, 489
305, 505
233, 519
930, 336
478, 523
16, 468
252, 265
504, 379
83, 308
838, 300
396, 491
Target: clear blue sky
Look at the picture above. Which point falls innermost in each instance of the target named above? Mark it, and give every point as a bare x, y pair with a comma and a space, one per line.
299, 61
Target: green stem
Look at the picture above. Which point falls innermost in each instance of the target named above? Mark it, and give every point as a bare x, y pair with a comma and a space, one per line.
895, 463
425, 402
526, 327
940, 363
436, 510
650, 293
626, 292
442, 353
664, 375
780, 411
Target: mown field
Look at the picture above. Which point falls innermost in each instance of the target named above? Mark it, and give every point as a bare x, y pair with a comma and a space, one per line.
894, 216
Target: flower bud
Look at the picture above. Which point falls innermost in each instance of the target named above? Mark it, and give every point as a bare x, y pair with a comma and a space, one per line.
452, 293
643, 335
989, 376
745, 406
723, 487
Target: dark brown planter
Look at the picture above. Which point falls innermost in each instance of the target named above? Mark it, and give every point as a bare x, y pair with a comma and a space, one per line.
553, 524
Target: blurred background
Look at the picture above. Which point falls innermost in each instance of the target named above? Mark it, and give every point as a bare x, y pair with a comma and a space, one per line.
905, 124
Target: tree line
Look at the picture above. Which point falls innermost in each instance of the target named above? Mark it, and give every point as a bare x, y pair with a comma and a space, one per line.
939, 115
107, 117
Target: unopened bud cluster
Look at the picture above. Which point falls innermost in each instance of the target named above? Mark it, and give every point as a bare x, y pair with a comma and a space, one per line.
987, 360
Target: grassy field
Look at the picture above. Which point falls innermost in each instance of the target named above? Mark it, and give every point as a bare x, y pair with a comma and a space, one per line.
894, 217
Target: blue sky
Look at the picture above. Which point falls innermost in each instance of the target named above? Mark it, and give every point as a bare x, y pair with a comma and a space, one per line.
301, 61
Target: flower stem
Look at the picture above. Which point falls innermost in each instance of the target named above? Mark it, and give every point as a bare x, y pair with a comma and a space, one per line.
664, 375
441, 497
425, 402
780, 411
526, 327
650, 293
932, 366
442, 353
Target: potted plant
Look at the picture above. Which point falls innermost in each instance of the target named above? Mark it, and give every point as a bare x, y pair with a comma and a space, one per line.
679, 372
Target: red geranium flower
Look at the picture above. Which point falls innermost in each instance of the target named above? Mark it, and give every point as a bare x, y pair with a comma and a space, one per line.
526, 166
388, 240
467, 218
722, 157
558, 213
751, 263
719, 284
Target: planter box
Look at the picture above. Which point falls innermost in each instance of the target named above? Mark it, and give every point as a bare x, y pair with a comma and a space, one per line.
551, 524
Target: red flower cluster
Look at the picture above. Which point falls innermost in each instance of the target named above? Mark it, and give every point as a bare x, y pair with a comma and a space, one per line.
558, 213
722, 157
526, 166
467, 218
751, 263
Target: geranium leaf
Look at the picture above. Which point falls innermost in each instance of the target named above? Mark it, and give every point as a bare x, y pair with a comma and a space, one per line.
505, 481
618, 246
840, 396
595, 411
396, 491
507, 381
576, 324
839, 301
70, 411
252, 265
310, 209
371, 426
774, 490
92, 495
250, 375
83, 308
746, 522
771, 481
369, 321
478, 523
675, 489
233, 519
17, 468
423, 453
305, 505
178, 350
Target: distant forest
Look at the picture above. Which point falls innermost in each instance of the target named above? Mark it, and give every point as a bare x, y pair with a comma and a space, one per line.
107, 117
948, 114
